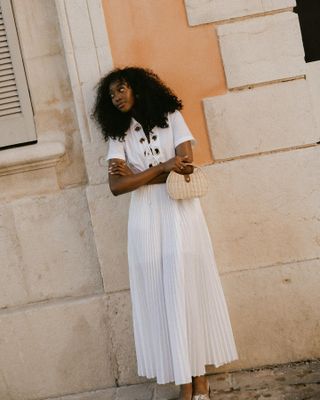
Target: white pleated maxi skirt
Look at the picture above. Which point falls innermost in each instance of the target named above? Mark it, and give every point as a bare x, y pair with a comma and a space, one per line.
180, 317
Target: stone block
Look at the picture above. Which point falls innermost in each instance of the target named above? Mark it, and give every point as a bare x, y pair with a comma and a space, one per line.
82, 117
109, 219
38, 27
54, 113
48, 81
313, 81
104, 59
54, 349
262, 49
96, 15
261, 119
301, 373
80, 24
136, 392
13, 288
205, 11
32, 182
265, 210
89, 96
283, 392
64, 27
87, 65
58, 254
274, 314
168, 391
71, 170
72, 71
96, 166
126, 392
103, 394
121, 330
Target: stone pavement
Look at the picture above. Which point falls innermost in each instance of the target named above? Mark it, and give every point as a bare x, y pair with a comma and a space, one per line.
297, 381
294, 381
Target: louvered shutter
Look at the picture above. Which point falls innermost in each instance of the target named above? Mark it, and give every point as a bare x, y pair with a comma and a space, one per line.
16, 116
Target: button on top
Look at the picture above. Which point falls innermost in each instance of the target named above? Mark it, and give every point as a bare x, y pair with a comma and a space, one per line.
137, 128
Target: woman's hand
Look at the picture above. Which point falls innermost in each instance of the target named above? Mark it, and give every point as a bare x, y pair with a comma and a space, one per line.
119, 168
178, 164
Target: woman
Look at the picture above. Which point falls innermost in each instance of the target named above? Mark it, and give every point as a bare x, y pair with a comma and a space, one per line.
180, 317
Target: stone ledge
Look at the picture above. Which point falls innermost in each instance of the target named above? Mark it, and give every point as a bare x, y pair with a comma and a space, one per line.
44, 154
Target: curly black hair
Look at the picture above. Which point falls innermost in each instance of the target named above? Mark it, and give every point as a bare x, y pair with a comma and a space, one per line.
153, 101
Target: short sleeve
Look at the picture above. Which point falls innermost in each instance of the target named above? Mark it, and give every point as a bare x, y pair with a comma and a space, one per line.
181, 131
115, 150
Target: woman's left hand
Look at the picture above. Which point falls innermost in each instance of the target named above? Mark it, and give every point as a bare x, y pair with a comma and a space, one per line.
185, 170
119, 168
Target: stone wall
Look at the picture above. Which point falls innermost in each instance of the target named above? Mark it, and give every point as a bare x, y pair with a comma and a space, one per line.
55, 330
65, 310
263, 208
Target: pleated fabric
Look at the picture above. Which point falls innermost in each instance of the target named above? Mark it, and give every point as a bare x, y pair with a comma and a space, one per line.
180, 317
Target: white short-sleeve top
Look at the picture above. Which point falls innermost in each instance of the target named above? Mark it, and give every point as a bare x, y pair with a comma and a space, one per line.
139, 154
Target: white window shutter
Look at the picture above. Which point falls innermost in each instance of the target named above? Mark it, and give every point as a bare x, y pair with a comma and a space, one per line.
16, 116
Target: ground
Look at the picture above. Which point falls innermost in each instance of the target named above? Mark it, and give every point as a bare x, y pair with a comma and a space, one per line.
297, 381
293, 381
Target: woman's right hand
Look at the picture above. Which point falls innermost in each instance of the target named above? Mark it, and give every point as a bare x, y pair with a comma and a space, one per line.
119, 167
177, 164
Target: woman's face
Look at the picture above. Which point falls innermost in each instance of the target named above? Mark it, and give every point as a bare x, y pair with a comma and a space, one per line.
122, 96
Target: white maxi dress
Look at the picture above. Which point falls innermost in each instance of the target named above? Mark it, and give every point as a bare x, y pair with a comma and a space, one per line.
180, 317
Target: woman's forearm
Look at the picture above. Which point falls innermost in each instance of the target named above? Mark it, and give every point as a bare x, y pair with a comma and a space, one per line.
188, 169
122, 180
127, 183
159, 179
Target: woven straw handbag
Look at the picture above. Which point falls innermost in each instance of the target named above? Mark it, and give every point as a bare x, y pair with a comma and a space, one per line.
182, 187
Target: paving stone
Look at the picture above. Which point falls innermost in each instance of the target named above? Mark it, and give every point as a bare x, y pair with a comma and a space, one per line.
300, 381
168, 391
135, 392
105, 394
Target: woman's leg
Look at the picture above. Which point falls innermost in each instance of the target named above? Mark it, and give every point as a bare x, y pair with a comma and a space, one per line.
185, 391
200, 384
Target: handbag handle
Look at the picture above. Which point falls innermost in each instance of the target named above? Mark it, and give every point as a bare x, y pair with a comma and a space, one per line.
187, 177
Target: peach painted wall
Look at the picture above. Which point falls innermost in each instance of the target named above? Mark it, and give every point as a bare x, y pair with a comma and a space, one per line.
155, 34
